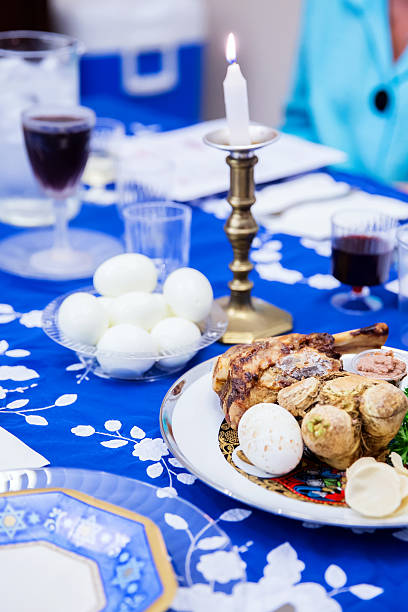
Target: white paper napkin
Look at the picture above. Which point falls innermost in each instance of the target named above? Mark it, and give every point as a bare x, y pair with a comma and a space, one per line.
14, 454
313, 220
201, 171
309, 188
393, 286
275, 199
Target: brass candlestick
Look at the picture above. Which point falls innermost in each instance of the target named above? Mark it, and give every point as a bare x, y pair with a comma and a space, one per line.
248, 317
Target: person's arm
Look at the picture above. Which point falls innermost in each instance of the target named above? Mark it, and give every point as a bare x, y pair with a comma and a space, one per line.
402, 186
297, 117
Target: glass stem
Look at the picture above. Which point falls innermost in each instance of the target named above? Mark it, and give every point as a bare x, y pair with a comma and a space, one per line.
359, 292
61, 241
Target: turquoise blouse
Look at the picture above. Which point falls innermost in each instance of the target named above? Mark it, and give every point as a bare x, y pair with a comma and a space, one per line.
348, 91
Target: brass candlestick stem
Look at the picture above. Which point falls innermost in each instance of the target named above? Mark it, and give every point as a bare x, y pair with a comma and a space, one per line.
249, 317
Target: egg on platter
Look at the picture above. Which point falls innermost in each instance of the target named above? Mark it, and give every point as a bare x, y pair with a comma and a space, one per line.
81, 317
176, 335
115, 345
271, 438
189, 294
139, 308
125, 273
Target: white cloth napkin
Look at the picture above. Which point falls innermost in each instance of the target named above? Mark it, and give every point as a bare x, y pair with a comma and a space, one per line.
312, 220
277, 198
201, 171
15, 454
393, 286
310, 188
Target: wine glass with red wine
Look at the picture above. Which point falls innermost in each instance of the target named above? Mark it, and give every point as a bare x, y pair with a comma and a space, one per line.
362, 250
57, 141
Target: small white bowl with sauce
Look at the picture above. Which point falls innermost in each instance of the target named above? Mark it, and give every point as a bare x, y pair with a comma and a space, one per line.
380, 364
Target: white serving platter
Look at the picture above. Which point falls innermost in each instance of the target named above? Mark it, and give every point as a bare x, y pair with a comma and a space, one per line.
190, 420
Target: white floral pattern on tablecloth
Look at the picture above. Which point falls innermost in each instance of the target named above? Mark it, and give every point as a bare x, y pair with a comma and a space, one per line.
125, 435
280, 584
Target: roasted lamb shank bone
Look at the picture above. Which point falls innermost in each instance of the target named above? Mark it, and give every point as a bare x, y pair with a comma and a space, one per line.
358, 340
354, 340
248, 374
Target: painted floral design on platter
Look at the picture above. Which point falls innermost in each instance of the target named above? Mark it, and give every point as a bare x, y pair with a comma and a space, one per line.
310, 481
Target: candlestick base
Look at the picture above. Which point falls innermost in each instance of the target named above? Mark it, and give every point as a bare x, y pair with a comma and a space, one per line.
251, 322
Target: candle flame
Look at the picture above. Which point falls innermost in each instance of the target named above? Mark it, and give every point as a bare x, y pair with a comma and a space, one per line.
230, 50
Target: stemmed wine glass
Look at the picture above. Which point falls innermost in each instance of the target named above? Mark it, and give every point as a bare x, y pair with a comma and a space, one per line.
362, 249
57, 141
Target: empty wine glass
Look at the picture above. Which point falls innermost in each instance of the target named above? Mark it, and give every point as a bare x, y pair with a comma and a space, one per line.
57, 142
362, 250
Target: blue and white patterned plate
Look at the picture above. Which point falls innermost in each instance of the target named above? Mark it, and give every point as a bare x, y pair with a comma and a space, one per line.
118, 557
194, 542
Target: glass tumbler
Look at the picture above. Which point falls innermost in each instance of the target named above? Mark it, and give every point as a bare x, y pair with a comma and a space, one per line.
143, 177
402, 239
35, 68
160, 230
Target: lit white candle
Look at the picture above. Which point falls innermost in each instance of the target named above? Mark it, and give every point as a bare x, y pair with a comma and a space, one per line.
236, 98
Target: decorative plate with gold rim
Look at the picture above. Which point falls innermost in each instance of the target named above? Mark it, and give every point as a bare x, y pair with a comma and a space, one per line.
194, 428
115, 559
112, 557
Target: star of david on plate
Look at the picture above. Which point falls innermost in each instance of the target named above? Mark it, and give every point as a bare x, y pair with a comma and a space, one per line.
128, 572
11, 520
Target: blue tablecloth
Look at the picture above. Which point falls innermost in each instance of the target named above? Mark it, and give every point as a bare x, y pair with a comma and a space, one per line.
294, 557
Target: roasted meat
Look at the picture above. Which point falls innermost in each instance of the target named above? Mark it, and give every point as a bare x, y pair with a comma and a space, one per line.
251, 373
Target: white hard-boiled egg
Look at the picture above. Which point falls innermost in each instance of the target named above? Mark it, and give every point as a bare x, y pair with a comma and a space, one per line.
106, 303
176, 334
271, 438
189, 294
139, 308
120, 340
124, 273
82, 318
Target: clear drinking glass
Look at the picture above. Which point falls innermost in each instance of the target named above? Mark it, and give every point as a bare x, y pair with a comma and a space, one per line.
160, 230
57, 142
143, 177
35, 67
100, 170
362, 249
402, 238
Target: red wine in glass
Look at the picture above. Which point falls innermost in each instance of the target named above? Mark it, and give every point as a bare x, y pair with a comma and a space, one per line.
58, 148
57, 140
361, 260
362, 251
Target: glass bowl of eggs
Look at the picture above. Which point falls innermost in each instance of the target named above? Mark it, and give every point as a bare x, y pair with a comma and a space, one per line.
121, 327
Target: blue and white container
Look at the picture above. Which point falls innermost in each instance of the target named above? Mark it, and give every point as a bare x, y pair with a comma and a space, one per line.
144, 51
